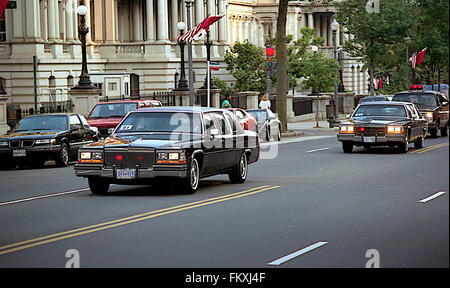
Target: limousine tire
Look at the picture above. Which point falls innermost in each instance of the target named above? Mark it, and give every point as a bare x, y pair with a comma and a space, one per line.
434, 132
403, 147
444, 131
347, 146
98, 186
189, 185
418, 144
62, 158
239, 172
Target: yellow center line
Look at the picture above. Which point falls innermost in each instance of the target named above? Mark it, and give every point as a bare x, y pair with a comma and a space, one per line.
426, 149
128, 220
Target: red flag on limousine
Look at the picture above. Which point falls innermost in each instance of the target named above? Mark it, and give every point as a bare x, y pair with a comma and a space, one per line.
3, 4
198, 31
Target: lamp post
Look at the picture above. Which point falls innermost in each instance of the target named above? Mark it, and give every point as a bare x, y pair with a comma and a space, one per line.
334, 28
208, 44
314, 49
407, 40
191, 74
85, 81
182, 83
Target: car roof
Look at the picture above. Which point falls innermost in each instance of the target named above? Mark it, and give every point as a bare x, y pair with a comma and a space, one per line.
386, 103
419, 92
129, 101
52, 114
187, 109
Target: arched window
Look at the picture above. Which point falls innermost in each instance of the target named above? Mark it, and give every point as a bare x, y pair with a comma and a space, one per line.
70, 81
2, 85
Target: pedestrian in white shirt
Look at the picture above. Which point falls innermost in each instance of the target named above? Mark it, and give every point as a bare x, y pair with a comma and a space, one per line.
265, 102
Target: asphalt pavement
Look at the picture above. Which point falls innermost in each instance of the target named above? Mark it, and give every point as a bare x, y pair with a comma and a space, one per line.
311, 205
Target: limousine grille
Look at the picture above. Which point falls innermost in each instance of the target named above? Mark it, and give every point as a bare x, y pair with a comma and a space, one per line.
371, 131
129, 159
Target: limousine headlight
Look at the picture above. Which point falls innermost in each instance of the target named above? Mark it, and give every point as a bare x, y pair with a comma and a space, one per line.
171, 157
394, 129
347, 129
45, 141
90, 157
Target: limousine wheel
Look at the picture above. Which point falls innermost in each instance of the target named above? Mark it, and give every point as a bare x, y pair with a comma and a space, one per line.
239, 173
444, 131
98, 186
403, 147
62, 159
347, 147
418, 144
190, 184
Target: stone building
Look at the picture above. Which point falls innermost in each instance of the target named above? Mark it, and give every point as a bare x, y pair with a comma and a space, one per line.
139, 37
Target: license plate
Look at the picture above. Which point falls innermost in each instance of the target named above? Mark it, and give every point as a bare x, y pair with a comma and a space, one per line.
369, 139
126, 173
19, 153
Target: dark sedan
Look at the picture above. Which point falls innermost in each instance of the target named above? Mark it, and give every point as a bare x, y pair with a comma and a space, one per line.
38, 138
383, 124
170, 145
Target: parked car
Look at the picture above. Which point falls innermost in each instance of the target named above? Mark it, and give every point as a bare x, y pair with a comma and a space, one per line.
105, 116
432, 104
383, 124
170, 145
247, 121
375, 98
269, 127
36, 139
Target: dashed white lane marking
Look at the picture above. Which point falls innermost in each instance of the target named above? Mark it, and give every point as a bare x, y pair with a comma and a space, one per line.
297, 253
434, 196
43, 196
320, 149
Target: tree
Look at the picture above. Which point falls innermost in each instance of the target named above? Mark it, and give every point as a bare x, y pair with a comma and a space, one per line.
246, 62
280, 40
319, 72
374, 31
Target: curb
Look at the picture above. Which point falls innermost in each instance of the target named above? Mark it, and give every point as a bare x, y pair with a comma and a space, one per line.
292, 134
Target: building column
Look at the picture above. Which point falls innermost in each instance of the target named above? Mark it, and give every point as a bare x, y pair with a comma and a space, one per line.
198, 12
163, 21
310, 20
87, 18
62, 21
240, 29
51, 14
43, 22
110, 18
212, 12
33, 22
175, 19
137, 21
150, 21
222, 22
302, 23
56, 4
69, 20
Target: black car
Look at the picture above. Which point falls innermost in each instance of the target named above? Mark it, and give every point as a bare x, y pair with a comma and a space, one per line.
375, 98
432, 104
169, 145
383, 124
38, 138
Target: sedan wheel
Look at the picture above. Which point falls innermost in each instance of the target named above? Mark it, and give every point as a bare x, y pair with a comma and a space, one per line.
62, 159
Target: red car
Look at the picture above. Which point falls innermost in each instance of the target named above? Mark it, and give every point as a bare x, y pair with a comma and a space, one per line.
247, 121
105, 116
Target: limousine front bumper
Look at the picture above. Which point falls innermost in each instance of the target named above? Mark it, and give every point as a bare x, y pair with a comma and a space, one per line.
93, 170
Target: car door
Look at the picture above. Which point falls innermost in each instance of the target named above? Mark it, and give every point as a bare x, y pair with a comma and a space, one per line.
443, 110
422, 122
273, 123
75, 134
88, 133
226, 140
231, 151
213, 157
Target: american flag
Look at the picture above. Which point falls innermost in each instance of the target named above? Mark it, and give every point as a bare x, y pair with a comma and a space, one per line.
198, 31
3, 4
417, 58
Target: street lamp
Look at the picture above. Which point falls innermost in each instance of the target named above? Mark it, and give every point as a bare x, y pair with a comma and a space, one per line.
407, 40
334, 28
84, 82
191, 72
182, 83
315, 49
208, 44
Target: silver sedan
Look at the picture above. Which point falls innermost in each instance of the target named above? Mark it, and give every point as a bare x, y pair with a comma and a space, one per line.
269, 127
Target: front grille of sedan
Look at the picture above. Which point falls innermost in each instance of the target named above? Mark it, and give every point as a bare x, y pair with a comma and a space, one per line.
22, 143
371, 131
129, 159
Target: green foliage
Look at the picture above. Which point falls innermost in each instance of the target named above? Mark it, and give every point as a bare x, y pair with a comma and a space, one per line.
319, 72
246, 62
223, 86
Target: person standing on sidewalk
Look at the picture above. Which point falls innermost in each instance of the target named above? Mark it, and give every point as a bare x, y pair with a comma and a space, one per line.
265, 102
226, 103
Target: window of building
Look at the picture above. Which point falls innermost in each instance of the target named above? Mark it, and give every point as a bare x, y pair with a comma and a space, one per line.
70, 81
2, 85
2, 29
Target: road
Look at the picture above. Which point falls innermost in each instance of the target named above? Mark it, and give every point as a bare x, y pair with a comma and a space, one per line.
310, 206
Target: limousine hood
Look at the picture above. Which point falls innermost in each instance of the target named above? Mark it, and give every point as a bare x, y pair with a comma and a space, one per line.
157, 141
375, 122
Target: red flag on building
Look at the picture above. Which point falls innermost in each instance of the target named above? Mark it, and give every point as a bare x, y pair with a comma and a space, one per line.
3, 4
199, 30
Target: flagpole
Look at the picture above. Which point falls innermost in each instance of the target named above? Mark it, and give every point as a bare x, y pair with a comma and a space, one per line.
208, 86
191, 74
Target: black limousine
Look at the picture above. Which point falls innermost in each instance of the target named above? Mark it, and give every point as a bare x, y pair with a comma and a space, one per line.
38, 138
383, 124
177, 145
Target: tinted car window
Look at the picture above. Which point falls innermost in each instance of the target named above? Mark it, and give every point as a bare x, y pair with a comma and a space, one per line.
418, 99
44, 122
380, 110
223, 127
161, 122
112, 110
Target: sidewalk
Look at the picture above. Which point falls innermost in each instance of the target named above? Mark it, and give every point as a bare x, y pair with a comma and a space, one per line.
309, 128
